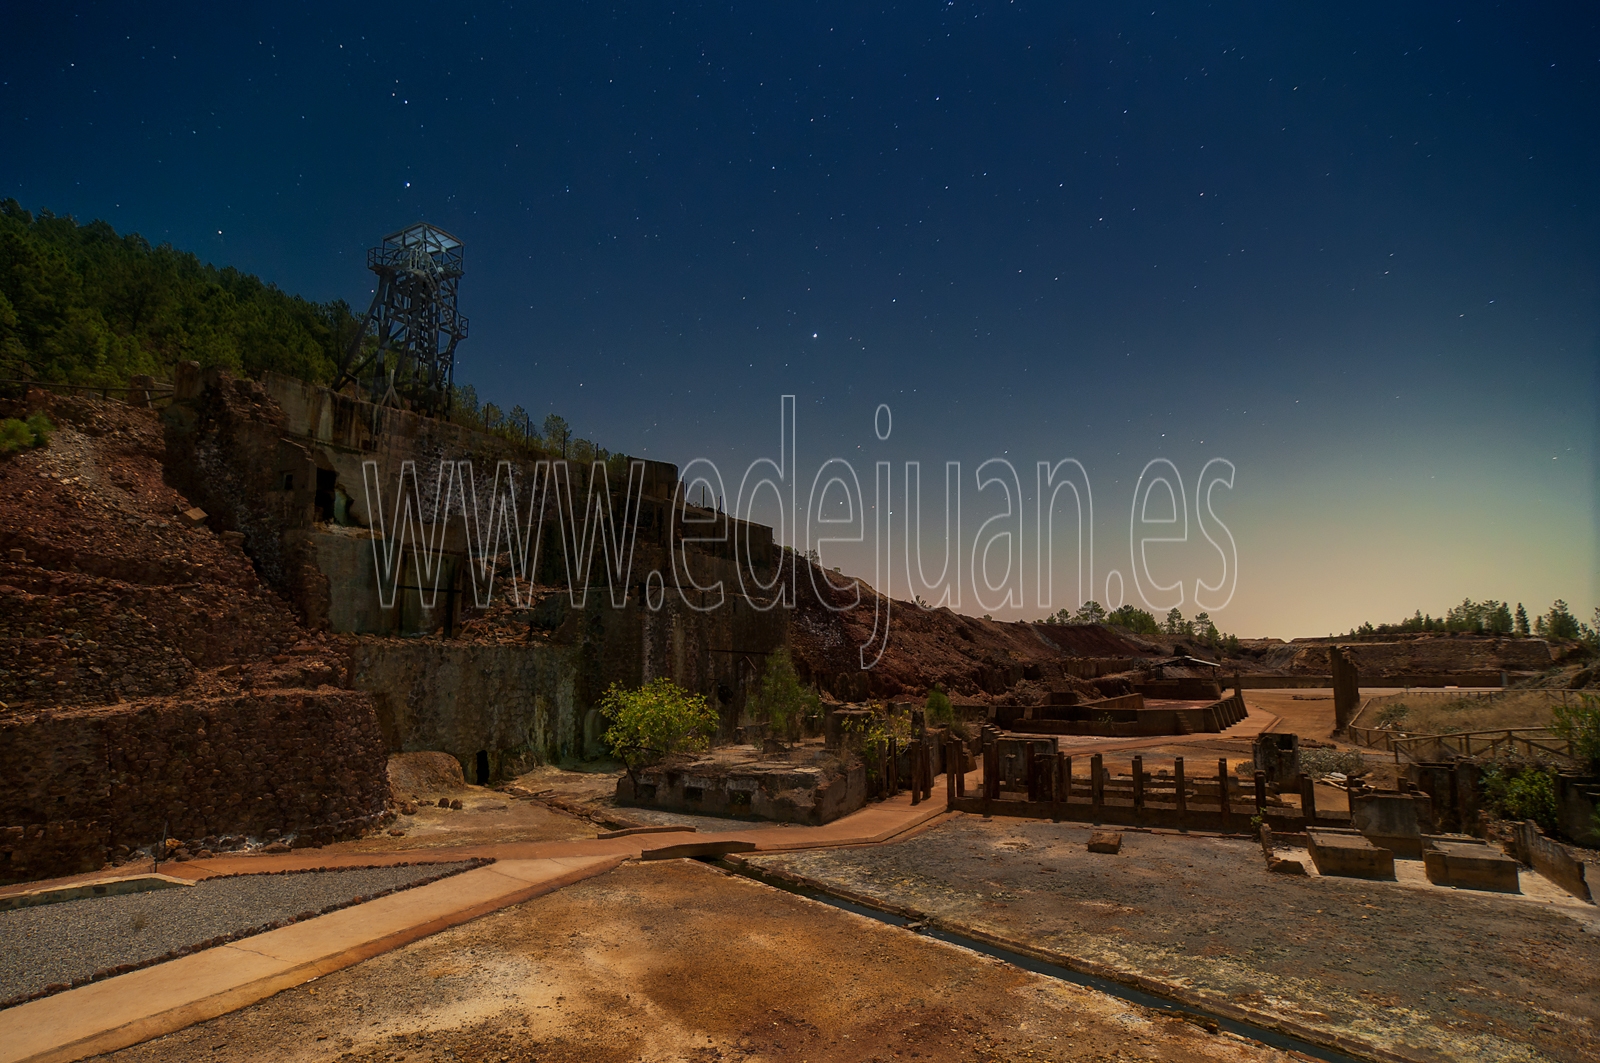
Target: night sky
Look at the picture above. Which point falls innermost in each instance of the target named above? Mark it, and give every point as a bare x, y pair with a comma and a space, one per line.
1354, 251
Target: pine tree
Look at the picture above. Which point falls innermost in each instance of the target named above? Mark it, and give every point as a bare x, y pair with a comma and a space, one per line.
1520, 627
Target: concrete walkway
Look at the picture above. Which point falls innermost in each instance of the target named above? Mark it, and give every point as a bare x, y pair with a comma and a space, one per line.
106, 1015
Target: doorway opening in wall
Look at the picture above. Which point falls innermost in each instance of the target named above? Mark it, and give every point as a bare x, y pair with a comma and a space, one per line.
327, 479
483, 767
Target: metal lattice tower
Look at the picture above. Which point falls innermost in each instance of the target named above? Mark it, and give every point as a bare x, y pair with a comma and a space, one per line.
413, 321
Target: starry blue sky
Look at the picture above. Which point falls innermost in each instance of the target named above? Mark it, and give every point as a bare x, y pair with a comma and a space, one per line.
1353, 251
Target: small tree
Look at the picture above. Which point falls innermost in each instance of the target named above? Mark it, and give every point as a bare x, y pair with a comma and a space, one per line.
1090, 612
1580, 724
557, 434
1560, 623
938, 708
1175, 621
16, 435
1520, 624
1134, 619
655, 721
780, 698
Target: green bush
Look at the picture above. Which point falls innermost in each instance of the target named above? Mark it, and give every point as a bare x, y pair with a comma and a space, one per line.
1394, 716
18, 435
1521, 793
658, 719
1133, 619
1580, 724
779, 698
873, 733
939, 711
14, 436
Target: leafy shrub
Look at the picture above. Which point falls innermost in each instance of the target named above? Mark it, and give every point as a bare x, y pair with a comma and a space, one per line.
1580, 724
780, 698
16, 435
1394, 715
658, 719
874, 732
1133, 619
938, 709
1521, 793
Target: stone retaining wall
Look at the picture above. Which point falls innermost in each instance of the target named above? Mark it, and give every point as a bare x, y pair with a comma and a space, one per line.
82, 784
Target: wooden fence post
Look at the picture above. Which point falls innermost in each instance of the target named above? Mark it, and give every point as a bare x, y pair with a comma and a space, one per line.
1308, 798
916, 774
1183, 802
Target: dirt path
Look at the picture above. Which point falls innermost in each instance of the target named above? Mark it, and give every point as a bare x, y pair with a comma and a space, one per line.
1421, 971
677, 961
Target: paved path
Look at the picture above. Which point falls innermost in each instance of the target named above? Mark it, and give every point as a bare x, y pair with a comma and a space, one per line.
134, 1007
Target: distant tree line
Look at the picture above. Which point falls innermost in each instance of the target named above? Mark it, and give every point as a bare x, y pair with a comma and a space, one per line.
1132, 619
1490, 617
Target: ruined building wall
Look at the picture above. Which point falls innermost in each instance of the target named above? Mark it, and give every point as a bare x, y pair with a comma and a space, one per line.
281, 461
85, 781
532, 700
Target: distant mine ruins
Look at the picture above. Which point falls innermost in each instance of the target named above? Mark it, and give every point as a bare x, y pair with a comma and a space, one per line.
191, 590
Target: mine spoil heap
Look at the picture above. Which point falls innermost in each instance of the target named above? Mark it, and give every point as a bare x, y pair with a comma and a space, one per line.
155, 688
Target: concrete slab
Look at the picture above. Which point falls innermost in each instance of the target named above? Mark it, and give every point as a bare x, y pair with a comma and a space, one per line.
1349, 855
113, 886
1471, 866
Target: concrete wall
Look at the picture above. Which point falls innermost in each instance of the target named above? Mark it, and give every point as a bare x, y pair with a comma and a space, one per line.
534, 702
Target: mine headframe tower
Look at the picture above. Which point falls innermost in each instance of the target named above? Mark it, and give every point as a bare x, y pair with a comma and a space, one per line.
406, 346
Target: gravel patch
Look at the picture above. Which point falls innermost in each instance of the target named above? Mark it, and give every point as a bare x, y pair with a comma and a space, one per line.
53, 946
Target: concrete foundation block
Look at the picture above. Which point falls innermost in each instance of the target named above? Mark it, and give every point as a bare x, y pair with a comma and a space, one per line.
1349, 855
1470, 866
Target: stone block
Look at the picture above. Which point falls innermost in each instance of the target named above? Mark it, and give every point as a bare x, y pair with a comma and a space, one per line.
1391, 820
1105, 841
1349, 855
1470, 865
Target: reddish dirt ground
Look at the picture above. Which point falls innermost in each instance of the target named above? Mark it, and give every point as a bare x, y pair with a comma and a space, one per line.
678, 961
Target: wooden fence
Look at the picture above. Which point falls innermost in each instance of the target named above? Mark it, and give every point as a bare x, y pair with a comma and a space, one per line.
1531, 742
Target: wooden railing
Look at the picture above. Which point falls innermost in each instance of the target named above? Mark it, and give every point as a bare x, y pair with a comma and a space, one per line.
1529, 741
157, 390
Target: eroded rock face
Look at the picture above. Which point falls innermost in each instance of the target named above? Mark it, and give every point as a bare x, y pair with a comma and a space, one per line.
424, 773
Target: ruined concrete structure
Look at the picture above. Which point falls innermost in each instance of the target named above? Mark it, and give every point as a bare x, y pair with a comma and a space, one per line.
778, 790
1346, 689
285, 463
